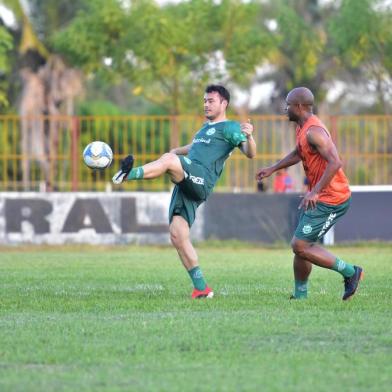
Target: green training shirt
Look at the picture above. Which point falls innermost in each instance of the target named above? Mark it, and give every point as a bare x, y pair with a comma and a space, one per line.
212, 145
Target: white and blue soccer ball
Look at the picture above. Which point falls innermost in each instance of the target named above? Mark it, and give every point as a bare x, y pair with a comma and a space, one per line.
97, 155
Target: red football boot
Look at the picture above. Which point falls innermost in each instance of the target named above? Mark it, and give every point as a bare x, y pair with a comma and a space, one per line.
206, 293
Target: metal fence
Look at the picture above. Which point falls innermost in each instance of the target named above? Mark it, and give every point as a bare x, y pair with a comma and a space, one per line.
45, 153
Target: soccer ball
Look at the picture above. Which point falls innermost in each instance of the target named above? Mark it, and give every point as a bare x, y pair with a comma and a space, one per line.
97, 155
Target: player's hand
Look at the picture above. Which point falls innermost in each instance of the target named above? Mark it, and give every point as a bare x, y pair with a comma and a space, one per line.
263, 173
247, 128
309, 201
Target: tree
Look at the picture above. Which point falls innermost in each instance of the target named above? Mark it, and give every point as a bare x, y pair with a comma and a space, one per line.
6, 45
29, 39
48, 87
152, 47
301, 56
37, 19
246, 43
362, 35
169, 53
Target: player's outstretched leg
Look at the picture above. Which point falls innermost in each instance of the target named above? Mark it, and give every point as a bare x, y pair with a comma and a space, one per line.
168, 163
179, 235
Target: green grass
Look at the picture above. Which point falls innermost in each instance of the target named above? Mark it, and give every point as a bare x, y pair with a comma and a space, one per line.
121, 319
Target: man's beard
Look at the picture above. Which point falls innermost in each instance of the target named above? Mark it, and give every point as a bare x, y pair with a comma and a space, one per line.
292, 117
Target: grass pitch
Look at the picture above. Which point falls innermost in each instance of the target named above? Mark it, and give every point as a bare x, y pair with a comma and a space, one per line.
121, 319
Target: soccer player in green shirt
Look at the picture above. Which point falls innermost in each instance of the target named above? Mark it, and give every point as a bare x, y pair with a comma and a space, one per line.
195, 169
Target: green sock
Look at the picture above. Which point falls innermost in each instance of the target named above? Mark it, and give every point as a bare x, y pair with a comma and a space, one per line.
136, 174
301, 289
347, 270
197, 278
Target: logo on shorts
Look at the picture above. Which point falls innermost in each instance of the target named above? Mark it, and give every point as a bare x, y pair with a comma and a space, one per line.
307, 229
187, 160
197, 180
211, 131
327, 223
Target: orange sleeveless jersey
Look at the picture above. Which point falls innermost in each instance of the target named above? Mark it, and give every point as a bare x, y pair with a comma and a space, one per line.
338, 190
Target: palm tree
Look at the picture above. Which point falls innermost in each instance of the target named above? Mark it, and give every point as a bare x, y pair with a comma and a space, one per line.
48, 88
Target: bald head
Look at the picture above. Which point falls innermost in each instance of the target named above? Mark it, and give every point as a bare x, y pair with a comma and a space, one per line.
300, 95
299, 104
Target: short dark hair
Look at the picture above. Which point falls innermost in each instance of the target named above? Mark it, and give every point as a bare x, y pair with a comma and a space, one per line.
222, 91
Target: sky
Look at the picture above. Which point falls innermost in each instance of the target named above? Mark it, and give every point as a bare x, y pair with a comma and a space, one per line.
7, 16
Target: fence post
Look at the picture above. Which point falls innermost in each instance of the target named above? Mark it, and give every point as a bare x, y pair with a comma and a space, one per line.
74, 153
174, 134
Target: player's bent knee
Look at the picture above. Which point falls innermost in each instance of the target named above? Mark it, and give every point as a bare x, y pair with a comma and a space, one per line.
173, 237
177, 241
169, 158
177, 238
299, 247
171, 162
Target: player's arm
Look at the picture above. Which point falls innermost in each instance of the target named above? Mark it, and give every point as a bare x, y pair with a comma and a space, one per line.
248, 147
320, 140
184, 150
289, 160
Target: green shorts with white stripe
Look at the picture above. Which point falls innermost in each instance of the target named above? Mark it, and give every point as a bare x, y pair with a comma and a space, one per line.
314, 223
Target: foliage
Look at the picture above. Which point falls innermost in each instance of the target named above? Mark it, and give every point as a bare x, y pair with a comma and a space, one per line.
301, 56
357, 31
362, 35
170, 52
97, 107
300, 45
47, 16
246, 43
29, 39
6, 45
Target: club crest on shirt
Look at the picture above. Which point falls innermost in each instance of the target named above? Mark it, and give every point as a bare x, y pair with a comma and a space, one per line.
307, 229
211, 131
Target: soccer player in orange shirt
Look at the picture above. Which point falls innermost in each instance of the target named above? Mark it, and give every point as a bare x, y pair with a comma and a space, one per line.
327, 199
